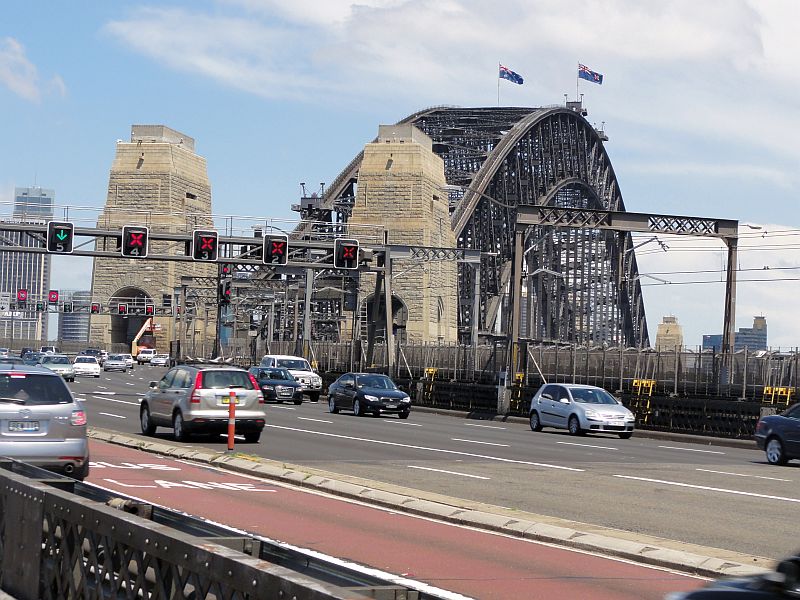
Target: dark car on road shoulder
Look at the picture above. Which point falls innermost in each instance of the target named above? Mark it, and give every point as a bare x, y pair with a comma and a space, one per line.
278, 384
779, 435
368, 393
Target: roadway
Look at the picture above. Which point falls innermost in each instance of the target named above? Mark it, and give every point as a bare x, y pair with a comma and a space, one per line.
702, 495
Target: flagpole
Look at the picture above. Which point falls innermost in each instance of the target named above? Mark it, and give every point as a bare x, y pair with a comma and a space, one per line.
498, 84
577, 81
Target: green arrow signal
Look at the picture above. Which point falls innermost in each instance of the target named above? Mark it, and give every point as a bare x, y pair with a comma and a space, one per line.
62, 235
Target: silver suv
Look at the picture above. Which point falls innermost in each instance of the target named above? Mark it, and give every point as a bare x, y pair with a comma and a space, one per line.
196, 398
40, 422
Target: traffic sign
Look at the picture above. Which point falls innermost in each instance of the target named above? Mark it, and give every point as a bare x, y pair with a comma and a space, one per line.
122, 309
95, 308
22, 295
134, 241
276, 249
52, 297
205, 245
345, 254
60, 237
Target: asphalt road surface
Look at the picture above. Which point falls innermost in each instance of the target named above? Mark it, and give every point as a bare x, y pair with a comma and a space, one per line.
709, 495
469, 562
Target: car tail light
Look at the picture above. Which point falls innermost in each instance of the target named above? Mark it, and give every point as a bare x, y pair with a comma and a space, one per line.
198, 385
78, 417
256, 387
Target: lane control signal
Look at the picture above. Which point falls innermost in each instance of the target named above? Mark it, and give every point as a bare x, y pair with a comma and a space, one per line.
122, 309
95, 308
276, 249
134, 241
205, 244
52, 297
345, 254
60, 236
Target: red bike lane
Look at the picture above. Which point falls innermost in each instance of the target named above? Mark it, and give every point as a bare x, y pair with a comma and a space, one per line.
467, 561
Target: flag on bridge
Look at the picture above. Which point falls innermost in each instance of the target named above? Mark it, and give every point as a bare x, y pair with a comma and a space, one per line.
506, 73
586, 73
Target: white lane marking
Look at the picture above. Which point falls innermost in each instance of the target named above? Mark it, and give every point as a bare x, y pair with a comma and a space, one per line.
691, 449
484, 426
107, 393
129, 383
477, 442
743, 475
112, 415
81, 399
285, 407
317, 420
115, 400
439, 450
141, 394
587, 445
711, 489
448, 472
102, 387
398, 422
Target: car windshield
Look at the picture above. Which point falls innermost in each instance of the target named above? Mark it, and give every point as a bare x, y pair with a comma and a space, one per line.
126, 356
161, 356
281, 374
116, 357
592, 396
30, 389
86, 359
55, 360
381, 382
227, 379
298, 364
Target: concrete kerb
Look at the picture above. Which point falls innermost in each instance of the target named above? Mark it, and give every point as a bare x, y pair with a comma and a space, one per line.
687, 558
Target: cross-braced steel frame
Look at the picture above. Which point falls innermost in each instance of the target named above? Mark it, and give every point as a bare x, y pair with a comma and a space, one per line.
582, 283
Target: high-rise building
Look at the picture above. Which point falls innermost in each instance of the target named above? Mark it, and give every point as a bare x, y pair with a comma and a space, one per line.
25, 271
74, 326
752, 338
669, 335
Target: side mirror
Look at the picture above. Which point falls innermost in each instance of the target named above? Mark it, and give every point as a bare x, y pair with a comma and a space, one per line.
564, 400
153, 384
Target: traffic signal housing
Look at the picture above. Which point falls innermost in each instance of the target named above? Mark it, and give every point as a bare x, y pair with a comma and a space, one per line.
68, 307
225, 292
345, 254
40, 306
95, 308
276, 249
52, 297
149, 309
22, 297
205, 245
134, 241
122, 309
60, 236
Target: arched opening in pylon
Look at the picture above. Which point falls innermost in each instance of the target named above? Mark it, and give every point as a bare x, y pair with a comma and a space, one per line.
125, 327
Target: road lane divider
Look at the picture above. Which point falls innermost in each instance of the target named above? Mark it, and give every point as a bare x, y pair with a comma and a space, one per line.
744, 475
315, 420
478, 442
106, 398
112, 415
447, 472
711, 489
692, 450
427, 449
587, 445
484, 426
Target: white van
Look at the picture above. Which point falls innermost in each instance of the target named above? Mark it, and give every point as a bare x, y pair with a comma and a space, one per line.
300, 370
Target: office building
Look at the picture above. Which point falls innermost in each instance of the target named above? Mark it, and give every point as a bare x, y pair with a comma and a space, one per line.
74, 326
669, 335
25, 271
752, 338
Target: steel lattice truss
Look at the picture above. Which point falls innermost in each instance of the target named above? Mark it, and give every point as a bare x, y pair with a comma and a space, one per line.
582, 283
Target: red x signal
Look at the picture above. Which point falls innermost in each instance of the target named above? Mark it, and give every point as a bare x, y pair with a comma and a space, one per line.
278, 248
349, 251
207, 243
136, 239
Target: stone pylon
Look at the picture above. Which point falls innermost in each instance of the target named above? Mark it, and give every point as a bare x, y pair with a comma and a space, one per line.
156, 180
401, 189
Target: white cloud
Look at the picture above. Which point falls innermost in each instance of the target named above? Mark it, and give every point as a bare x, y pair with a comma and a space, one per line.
17, 73
721, 171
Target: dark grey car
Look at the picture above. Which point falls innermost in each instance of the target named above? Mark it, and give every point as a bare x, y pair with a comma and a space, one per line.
779, 435
368, 393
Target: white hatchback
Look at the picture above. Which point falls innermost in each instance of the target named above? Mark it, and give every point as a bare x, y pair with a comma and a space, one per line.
86, 365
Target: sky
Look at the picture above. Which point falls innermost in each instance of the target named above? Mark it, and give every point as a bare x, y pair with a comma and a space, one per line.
699, 100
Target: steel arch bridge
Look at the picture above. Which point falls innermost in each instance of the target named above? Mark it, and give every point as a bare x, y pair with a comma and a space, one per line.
582, 284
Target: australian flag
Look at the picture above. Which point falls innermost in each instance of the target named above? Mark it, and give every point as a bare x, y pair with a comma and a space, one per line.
506, 73
586, 73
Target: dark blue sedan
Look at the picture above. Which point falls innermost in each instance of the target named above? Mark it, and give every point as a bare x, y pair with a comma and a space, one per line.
278, 385
779, 435
368, 393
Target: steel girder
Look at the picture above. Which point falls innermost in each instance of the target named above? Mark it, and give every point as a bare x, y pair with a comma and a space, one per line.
582, 283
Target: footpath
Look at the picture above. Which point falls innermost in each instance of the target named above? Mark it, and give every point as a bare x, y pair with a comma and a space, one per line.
643, 549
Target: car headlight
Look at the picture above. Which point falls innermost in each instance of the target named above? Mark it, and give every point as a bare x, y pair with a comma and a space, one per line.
406, 399
268, 387
591, 413
369, 398
630, 417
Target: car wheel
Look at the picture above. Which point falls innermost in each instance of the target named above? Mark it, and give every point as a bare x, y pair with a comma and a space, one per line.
357, 411
332, 408
536, 424
299, 401
145, 421
179, 428
82, 473
404, 414
314, 397
625, 436
97, 376
774, 452
574, 426
252, 437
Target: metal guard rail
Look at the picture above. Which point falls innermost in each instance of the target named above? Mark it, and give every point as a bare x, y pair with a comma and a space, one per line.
62, 539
